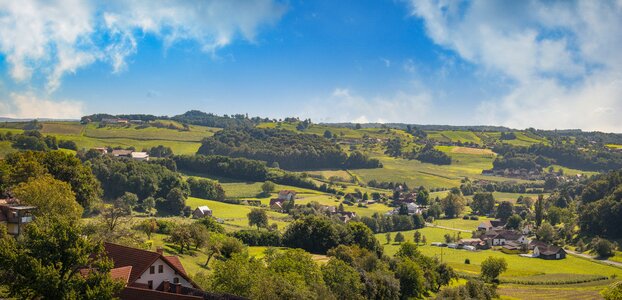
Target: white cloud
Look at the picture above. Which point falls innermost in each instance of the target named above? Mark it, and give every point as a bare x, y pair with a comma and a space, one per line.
61, 36
343, 105
562, 58
28, 105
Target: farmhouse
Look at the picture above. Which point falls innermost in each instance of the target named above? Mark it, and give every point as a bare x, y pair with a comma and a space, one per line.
150, 275
140, 155
122, 153
488, 225
14, 215
501, 237
549, 252
287, 195
101, 150
201, 212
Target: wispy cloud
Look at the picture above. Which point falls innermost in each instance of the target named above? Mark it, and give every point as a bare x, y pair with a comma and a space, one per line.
344, 105
57, 37
561, 58
29, 105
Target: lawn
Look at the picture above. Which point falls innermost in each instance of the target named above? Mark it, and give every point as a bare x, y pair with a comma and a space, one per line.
416, 173
518, 267
235, 215
195, 134
460, 223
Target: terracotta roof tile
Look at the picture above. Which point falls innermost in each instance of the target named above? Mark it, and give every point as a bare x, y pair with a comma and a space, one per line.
123, 256
122, 273
174, 260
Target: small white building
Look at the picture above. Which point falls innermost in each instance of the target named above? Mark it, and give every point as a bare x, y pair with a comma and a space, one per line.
201, 212
140, 156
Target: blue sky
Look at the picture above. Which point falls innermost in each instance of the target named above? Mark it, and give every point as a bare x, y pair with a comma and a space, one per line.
519, 64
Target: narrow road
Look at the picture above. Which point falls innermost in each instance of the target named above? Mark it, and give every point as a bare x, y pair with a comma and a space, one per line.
605, 261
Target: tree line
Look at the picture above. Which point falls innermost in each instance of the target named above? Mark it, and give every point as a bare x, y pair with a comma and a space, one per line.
283, 148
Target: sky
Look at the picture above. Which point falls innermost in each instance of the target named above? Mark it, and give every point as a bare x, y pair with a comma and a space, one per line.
548, 65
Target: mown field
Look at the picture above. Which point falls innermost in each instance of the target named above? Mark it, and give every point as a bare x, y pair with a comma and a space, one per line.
518, 267
466, 162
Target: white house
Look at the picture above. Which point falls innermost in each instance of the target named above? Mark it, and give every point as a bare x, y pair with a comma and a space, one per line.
202, 211
140, 156
149, 271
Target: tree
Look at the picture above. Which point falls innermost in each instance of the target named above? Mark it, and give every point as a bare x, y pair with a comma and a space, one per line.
492, 267
314, 234
328, 134
51, 197
45, 263
258, 217
148, 226
424, 240
417, 237
268, 187
199, 235
423, 196
546, 233
603, 248
115, 214
483, 203
176, 201
130, 200
411, 279
388, 236
181, 236
161, 151
514, 222
453, 205
148, 205
505, 210
539, 210
342, 279
399, 238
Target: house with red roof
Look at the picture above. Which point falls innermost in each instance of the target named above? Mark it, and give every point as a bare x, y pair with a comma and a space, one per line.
150, 275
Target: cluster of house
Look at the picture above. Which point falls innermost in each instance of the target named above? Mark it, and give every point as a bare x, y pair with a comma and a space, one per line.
412, 209
288, 195
524, 174
135, 155
492, 233
14, 216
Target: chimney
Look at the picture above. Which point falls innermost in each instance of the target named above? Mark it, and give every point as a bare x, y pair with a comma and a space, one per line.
178, 288
167, 286
160, 250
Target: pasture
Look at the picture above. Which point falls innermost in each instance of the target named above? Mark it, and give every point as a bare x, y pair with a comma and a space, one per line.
518, 267
195, 134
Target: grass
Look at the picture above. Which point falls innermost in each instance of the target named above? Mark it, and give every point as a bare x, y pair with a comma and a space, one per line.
70, 128
518, 267
195, 134
234, 214
460, 223
416, 173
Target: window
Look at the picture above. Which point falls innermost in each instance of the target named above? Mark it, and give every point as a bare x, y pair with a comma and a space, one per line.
160, 268
150, 284
152, 270
176, 280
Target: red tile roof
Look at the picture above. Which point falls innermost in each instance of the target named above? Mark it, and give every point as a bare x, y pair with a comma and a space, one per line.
123, 256
122, 273
174, 260
131, 293
141, 260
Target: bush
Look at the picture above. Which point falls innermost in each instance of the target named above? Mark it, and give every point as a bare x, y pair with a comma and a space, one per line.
467, 261
259, 237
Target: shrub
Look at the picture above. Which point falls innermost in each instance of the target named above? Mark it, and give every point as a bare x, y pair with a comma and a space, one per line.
467, 261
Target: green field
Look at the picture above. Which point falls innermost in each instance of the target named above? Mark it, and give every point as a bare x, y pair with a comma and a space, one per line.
518, 267
195, 134
416, 173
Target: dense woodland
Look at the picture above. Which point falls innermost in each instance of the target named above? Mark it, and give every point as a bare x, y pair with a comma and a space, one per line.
567, 155
282, 148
